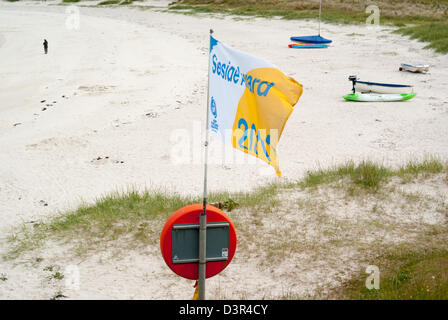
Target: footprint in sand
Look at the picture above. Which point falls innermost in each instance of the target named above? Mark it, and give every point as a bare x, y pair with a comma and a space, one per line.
104, 160
152, 114
58, 143
43, 203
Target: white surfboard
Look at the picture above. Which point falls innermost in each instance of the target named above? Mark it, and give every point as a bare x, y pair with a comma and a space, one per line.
369, 97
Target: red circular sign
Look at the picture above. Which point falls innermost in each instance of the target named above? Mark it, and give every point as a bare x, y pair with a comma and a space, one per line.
190, 215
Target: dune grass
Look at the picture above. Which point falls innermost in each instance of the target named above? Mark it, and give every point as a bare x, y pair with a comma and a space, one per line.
421, 19
108, 2
410, 275
253, 10
339, 11
371, 175
139, 216
434, 33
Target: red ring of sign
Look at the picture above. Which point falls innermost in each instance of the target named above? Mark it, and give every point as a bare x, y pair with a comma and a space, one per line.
187, 215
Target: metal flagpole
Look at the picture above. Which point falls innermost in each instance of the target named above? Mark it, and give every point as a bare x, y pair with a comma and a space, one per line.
203, 216
320, 10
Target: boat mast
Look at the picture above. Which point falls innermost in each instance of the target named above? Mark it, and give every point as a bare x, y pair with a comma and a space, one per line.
320, 10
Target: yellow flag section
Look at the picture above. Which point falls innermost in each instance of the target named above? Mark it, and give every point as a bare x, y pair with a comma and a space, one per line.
260, 119
250, 101
196, 293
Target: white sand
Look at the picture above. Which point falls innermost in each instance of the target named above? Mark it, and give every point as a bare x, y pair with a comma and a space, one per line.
123, 64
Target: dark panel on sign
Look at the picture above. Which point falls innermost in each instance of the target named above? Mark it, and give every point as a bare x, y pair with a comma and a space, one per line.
186, 242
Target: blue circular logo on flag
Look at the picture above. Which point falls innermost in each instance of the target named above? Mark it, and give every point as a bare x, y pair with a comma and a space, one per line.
213, 108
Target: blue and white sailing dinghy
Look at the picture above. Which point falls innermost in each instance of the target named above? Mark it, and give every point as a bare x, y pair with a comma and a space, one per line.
311, 39
377, 87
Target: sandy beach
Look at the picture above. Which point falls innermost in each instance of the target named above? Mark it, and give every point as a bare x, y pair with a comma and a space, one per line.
119, 103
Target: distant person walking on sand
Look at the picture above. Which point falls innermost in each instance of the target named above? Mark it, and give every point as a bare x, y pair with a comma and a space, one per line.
45, 46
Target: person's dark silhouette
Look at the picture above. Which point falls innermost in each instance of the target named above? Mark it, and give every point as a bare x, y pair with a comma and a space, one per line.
45, 46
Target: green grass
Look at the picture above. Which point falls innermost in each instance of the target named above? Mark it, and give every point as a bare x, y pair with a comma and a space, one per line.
120, 214
371, 175
414, 168
70, 1
428, 19
109, 2
253, 11
137, 217
366, 174
407, 275
340, 11
434, 33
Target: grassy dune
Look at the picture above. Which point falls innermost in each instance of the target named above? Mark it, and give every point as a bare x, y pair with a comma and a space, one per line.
424, 20
141, 213
434, 33
332, 10
308, 211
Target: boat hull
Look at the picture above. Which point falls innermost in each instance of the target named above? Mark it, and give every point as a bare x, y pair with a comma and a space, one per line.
311, 39
372, 97
308, 46
371, 87
414, 67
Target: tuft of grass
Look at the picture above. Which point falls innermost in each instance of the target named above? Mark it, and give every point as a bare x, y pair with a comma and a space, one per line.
70, 1
48, 268
367, 174
434, 33
58, 295
57, 275
371, 175
414, 168
108, 2
354, 34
